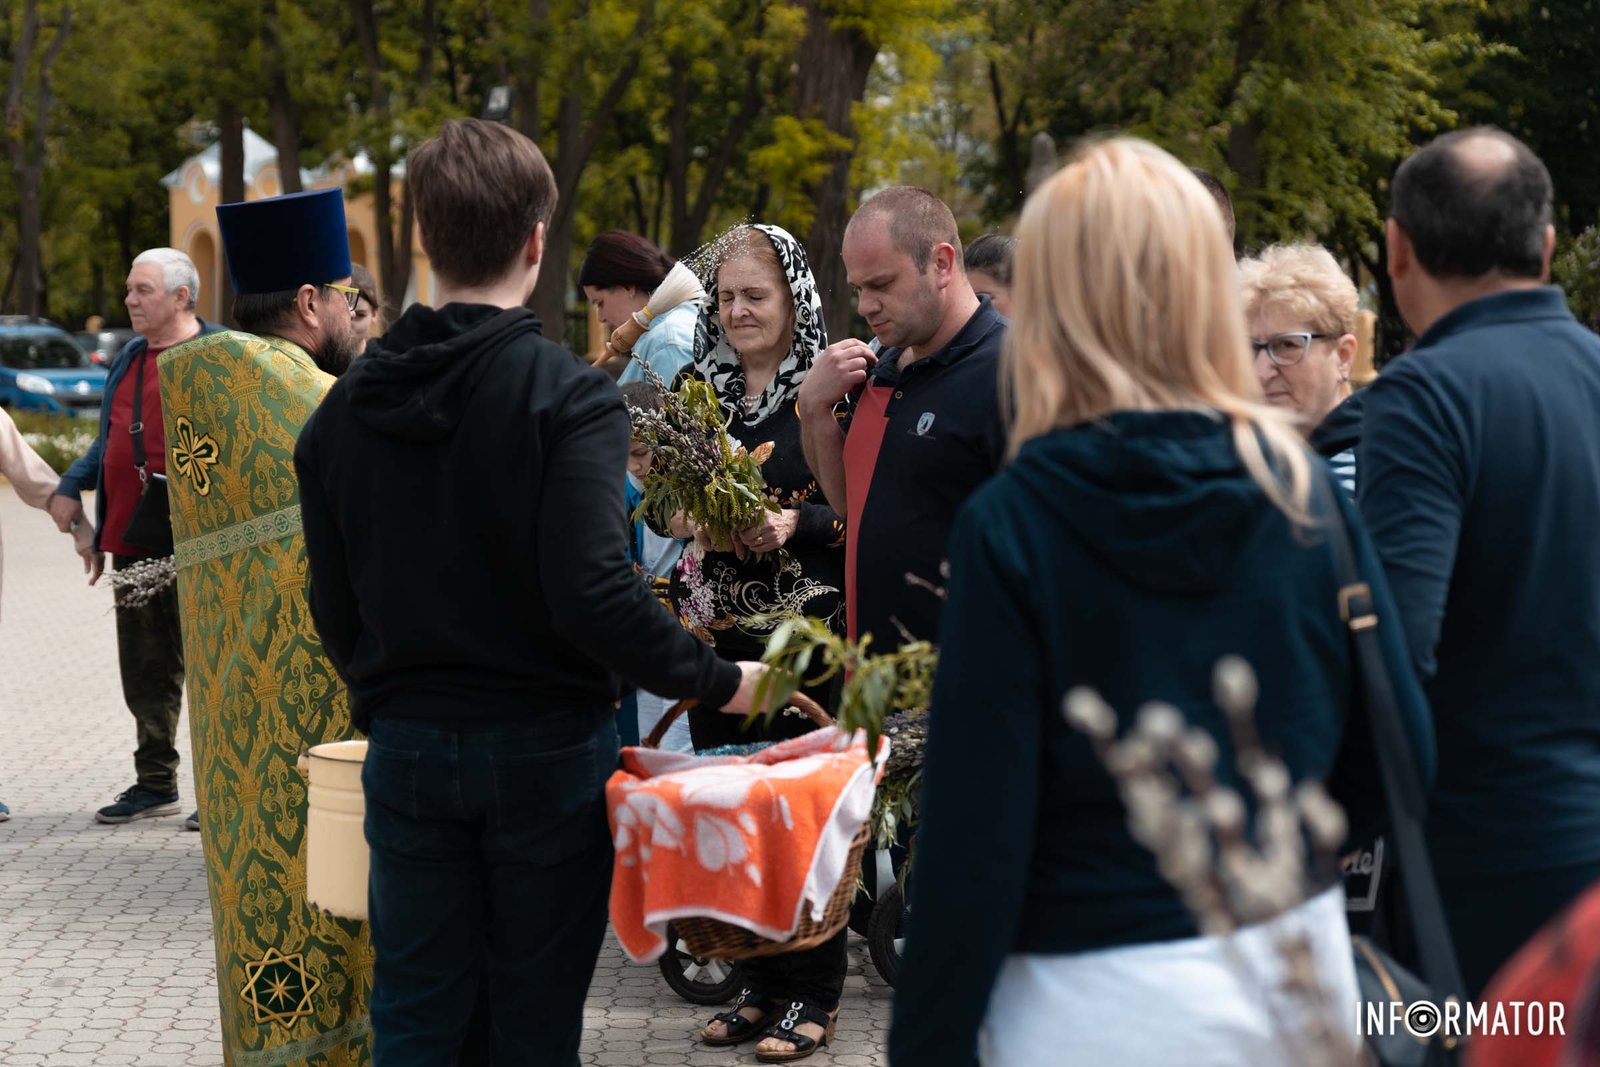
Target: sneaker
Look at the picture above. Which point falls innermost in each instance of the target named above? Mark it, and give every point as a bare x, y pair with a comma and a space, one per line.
5, 812
192, 822
138, 803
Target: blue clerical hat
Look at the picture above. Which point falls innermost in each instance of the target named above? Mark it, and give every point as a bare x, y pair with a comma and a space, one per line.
285, 242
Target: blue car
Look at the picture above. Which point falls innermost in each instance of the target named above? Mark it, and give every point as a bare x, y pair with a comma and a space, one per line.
43, 369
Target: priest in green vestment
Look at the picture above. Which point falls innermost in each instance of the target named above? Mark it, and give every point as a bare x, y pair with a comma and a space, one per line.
292, 982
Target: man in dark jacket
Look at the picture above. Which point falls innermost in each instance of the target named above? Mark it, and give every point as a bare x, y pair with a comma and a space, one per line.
1480, 485
921, 427
471, 582
163, 286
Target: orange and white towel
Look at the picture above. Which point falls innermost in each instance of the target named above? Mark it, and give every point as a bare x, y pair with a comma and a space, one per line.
750, 840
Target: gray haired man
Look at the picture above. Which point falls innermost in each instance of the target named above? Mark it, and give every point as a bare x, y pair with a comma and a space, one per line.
128, 454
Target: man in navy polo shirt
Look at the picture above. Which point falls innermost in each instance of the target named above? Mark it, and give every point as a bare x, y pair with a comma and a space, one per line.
921, 426
1480, 485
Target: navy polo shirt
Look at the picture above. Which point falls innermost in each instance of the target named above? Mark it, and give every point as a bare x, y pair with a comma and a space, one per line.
918, 441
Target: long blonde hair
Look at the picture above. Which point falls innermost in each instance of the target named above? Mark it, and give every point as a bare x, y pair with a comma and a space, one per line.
1125, 298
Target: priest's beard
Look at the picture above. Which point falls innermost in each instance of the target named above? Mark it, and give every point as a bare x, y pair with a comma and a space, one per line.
338, 346
334, 355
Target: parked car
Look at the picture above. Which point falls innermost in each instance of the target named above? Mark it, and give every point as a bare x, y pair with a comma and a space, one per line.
43, 369
103, 345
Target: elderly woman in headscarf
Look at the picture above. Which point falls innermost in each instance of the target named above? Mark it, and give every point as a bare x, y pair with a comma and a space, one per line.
760, 327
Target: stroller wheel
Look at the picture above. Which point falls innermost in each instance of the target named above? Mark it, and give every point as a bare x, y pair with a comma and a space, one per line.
886, 941
878, 869
698, 980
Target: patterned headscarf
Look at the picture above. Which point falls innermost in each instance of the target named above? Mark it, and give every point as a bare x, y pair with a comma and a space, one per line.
717, 362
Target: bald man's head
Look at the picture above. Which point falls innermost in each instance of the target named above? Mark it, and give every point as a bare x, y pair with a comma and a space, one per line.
917, 220
1474, 202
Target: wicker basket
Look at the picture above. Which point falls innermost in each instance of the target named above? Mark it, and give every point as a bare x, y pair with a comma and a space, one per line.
715, 939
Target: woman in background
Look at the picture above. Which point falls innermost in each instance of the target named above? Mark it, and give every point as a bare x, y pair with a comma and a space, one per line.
370, 314
1302, 310
988, 263
618, 275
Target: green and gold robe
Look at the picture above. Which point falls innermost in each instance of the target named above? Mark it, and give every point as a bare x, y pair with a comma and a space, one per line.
293, 982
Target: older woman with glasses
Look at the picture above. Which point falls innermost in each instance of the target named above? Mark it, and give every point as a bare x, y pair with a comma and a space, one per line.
1301, 310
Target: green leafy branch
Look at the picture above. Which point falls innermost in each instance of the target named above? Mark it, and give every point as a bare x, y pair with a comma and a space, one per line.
804, 651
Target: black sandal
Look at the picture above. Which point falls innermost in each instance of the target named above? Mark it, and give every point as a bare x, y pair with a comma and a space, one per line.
784, 1030
738, 1028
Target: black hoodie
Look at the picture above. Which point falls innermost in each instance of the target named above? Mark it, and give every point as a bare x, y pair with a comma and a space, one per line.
461, 488
1127, 554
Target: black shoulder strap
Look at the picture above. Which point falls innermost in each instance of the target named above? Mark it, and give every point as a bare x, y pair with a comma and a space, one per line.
1403, 795
136, 427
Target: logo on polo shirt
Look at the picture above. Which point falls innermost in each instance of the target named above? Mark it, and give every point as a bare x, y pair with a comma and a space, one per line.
925, 423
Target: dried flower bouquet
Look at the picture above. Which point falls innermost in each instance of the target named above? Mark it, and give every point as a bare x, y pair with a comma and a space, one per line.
698, 470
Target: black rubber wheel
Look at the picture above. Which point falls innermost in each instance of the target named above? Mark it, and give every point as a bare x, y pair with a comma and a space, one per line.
699, 981
886, 941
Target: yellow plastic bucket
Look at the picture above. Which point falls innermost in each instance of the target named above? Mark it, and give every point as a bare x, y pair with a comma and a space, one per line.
336, 846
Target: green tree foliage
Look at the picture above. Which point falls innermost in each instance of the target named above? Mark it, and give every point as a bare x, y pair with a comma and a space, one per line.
678, 118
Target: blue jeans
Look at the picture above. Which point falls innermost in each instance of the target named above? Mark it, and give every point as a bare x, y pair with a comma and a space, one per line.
491, 862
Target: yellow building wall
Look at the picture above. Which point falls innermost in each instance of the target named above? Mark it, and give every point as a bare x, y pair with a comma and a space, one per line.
193, 212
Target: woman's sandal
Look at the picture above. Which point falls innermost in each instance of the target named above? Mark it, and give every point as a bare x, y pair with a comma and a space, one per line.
798, 1014
737, 1029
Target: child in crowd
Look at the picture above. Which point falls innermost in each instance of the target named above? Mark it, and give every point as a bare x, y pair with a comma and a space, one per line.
654, 556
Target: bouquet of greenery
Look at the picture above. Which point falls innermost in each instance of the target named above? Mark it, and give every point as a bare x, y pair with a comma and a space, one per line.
698, 469
883, 693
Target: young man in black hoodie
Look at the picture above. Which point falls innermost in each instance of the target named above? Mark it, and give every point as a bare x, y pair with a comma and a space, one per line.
470, 579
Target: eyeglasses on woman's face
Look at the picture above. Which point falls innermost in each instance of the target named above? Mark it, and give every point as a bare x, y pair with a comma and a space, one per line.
1286, 349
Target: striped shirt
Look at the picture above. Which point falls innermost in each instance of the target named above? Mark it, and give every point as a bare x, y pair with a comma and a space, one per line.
1344, 469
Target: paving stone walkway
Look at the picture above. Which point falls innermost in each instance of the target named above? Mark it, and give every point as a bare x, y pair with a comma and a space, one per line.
105, 932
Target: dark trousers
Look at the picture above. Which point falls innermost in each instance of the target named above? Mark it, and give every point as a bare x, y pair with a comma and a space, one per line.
1492, 915
491, 862
813, 975
150, 653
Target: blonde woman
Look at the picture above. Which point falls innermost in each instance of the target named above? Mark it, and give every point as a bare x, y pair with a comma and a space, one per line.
1301, 311
1155, 516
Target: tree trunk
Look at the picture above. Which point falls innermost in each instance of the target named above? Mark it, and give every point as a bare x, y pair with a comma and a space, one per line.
575, 144
395, 290
380, 152
285, 119
1244, 138
1392, 332
27, 153
529, 120
641, 224
687, 239
230, 126
678, 153
11, 284
1011, 182
832, 64
97, 287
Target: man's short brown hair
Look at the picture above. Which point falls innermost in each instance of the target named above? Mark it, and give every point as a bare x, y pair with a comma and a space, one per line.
917, 220
480, 189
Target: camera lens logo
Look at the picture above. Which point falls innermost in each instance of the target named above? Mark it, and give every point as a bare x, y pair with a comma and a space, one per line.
1422, 1019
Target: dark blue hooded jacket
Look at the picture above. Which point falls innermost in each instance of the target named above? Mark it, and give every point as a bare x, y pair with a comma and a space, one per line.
1128, 554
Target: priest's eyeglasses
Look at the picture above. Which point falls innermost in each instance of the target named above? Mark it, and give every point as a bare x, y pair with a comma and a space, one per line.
1286, 349
351, 296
